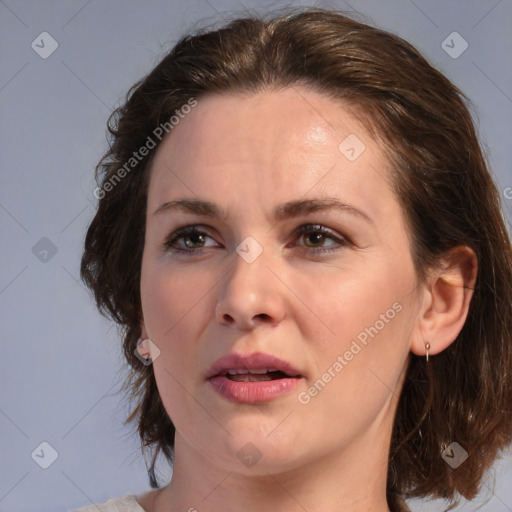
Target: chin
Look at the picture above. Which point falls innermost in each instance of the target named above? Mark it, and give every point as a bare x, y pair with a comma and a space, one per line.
249, 451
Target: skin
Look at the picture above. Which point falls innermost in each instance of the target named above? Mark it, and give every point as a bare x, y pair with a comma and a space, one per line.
249, 154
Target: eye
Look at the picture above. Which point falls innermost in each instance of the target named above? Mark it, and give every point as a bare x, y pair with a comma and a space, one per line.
187, 240
191, 240
316, 235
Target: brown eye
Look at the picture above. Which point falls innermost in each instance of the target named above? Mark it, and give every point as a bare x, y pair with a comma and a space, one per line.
315, 236
187, 240
193, 239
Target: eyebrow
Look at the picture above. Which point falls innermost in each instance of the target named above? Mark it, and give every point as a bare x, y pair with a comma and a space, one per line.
281, 212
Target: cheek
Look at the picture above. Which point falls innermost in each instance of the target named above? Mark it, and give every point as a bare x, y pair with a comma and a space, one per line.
177, 306
171, 299
357, 370
358, 337
340, 303
172, 303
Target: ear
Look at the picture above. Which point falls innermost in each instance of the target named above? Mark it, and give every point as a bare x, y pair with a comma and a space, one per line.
445, 301
143, 346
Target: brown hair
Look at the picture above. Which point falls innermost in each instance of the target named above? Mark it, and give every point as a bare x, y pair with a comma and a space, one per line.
439, 176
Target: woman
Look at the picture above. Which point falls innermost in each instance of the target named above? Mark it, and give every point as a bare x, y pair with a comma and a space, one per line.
298, 233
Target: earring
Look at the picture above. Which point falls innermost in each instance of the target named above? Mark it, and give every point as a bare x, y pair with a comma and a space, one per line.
147, 351
427, 348
143, 351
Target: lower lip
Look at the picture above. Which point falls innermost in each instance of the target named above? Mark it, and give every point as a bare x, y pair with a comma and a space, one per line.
252, 392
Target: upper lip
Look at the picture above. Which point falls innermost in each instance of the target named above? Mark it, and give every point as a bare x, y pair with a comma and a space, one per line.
255, 361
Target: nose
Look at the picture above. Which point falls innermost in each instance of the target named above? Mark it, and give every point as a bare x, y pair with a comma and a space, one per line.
250, 295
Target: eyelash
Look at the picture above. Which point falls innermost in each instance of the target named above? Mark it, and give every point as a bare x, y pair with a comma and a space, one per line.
306, 228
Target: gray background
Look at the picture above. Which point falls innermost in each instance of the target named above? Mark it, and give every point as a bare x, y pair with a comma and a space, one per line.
61, 360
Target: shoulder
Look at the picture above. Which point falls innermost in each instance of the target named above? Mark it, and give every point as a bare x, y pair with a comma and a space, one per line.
127, 503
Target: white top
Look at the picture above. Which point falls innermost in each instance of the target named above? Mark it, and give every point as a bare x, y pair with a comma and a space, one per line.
127, 503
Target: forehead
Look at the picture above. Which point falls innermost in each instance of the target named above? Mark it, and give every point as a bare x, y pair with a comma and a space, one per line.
268, 145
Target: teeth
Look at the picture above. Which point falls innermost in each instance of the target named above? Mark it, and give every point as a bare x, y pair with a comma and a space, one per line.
237, 372
243, 371
259, 372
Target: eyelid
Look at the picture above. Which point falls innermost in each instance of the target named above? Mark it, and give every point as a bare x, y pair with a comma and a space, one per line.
341, 241
321, 228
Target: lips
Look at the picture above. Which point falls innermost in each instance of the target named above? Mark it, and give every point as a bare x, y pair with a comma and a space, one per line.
252, 368
252, 379
255, 375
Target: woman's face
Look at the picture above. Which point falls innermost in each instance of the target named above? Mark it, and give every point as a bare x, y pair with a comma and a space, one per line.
337, 301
